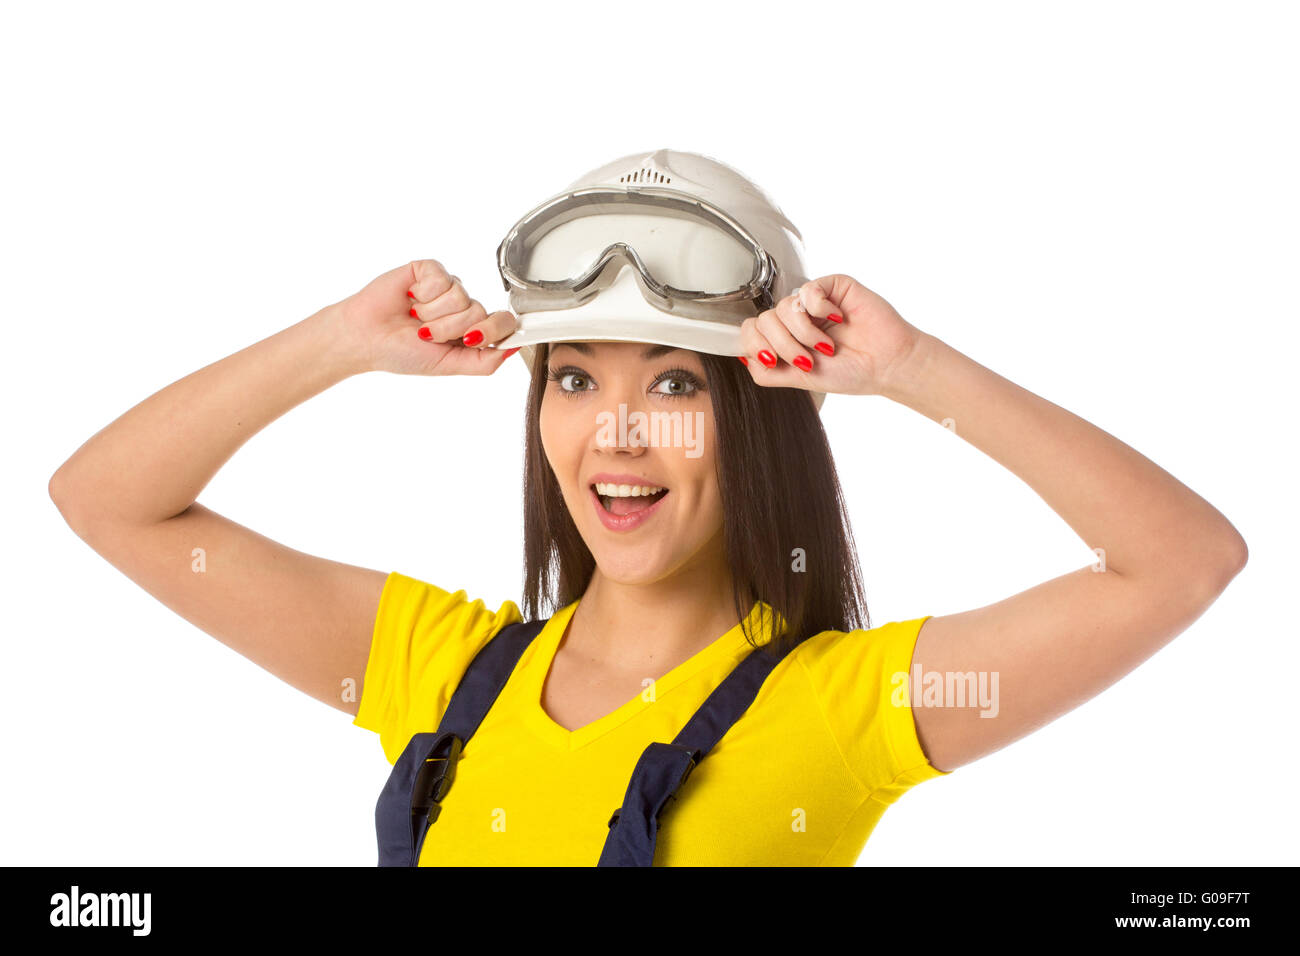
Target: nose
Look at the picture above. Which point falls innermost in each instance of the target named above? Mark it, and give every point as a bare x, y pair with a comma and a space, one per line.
622, 421
620, 430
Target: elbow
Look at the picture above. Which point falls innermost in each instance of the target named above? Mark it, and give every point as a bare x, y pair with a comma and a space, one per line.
1233, 557
1234, 552
58, 488
1238, 554
1204, 577
64, 498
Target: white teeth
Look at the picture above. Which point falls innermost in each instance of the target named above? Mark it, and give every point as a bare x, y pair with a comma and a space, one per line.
626, 491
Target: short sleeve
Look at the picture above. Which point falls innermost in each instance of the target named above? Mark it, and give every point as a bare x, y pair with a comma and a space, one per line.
423, 642
860, 680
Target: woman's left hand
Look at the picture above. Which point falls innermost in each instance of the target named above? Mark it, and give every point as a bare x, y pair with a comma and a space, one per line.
849, 340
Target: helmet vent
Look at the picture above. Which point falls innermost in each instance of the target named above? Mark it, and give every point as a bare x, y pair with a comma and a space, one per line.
644, 176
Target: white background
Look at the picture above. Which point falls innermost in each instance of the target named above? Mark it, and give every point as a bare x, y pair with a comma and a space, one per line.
1096, 200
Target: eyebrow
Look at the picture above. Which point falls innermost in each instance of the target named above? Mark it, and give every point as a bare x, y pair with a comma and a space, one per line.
653, 352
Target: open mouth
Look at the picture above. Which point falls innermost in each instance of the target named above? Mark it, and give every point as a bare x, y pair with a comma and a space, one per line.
622, 500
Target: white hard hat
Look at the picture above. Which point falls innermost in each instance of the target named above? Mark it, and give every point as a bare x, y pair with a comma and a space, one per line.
667, 247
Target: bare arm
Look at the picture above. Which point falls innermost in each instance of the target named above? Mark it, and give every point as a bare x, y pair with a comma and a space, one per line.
1166, 552
1165, 555
129, 492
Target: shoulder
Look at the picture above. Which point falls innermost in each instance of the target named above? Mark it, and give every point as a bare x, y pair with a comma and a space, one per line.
884, 650
424, 639
425, 610
860, 679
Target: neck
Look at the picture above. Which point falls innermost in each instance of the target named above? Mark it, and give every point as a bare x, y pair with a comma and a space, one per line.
650, 627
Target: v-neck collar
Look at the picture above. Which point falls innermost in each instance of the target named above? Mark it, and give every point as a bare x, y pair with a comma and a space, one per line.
541, 655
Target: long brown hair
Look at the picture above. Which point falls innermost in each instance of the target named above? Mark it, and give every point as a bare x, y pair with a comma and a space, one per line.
779, 491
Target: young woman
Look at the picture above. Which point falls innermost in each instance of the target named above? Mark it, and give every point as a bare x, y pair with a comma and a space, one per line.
666, 562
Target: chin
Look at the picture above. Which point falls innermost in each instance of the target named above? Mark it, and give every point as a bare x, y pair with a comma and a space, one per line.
631, 564
646, 560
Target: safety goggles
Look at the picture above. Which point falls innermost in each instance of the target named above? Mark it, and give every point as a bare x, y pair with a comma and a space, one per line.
690, 258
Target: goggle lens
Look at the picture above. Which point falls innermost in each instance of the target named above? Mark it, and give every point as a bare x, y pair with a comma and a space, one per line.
686, 254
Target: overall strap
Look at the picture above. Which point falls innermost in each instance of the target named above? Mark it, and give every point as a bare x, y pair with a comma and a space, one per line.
663, 768
422, 775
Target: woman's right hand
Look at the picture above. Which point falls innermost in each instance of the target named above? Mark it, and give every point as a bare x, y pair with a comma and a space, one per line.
378, 327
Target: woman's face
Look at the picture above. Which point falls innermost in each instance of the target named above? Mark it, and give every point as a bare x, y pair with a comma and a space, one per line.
641, 415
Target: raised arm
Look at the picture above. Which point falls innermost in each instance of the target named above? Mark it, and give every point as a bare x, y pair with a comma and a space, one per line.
130, 491
1164, 553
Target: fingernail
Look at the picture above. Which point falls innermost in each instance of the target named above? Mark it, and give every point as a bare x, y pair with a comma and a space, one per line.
826, 348
472, 337
767, 358
835, 318
803, 363
744, 360
410, 294
510, 352
413, 315
424, 333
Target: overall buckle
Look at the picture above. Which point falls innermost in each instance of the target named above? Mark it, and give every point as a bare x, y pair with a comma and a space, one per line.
434, 780
692, 760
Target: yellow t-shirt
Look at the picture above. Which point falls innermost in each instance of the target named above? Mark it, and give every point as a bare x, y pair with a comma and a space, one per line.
800, 780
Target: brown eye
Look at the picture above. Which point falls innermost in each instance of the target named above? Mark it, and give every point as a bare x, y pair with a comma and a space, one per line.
560, 375
680, 382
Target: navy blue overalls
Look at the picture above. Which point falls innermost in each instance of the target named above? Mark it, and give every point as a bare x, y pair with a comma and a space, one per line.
422, 775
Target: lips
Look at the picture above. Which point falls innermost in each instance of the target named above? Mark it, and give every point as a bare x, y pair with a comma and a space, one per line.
626, 504
630, 519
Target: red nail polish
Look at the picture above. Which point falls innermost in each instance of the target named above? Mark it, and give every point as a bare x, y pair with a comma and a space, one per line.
510, 352
803, 363
767, 358
472, 337
826, 348
413, 315
424, 333
410, 294
835, 318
